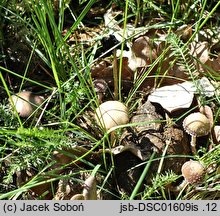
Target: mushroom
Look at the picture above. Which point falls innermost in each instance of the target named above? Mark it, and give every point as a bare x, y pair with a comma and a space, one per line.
90, 189
100, 87
193, 171
26, 103
77, 197
111, 113
197, 125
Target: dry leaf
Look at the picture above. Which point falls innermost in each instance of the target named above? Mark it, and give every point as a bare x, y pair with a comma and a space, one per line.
104, 70
68, 155
112, 24
170, 70
206, 88
144, 48
185, 32
200, 51
131, 148
213, 65
174, 97
142, 53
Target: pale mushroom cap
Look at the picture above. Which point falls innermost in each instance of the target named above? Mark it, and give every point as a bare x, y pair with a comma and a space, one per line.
111, 113
26, 102
197, 124
77, 197
193, 171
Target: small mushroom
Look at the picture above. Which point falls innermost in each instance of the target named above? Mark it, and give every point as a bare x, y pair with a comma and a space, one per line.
77, 197
100, 87
197, 125
193, 171
111, 113
90, 189
26, 103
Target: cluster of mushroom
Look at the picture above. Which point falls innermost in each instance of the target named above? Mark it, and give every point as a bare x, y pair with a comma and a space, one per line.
113, 113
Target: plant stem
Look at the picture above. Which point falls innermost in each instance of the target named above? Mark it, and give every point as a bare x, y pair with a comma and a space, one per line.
142, 177
115, 76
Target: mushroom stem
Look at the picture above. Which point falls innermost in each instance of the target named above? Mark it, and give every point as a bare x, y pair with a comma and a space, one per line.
180, 187
193, 144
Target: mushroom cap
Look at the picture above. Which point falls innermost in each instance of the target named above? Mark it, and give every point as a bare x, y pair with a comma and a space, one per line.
26, 102
77, 197
197, 124
100, 85
111, 113
193, 171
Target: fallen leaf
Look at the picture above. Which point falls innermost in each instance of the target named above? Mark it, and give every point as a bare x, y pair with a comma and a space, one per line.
185, 32
174, 97
200, 51
213, 66
104, 70
205, 87
68, 155
131, 148
144, 48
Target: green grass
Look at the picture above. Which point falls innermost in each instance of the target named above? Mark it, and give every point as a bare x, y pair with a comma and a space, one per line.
28, 144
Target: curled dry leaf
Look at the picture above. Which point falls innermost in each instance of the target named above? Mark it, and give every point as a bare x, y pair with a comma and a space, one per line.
139, 152
68, 155
104, 70
174, 97
200, 51
143, 47
185, 32
90, 189
143, 52
213, 65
